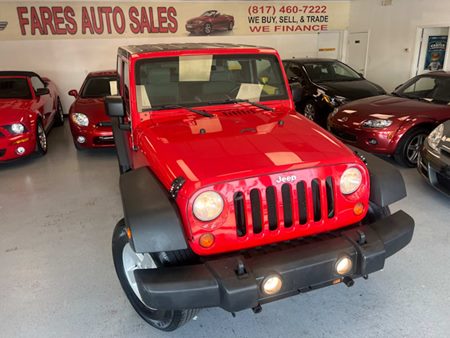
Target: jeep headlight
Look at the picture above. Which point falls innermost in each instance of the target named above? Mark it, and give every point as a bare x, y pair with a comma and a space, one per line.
80, 119
16, 128
350, 181
208, 206
376, 123
435, 136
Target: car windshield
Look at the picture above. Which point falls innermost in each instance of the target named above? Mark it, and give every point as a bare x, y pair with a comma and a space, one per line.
206, 79
324, 71
14, 88
433, 89
99, 86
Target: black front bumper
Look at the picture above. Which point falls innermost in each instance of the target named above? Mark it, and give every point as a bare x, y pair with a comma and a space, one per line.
435, 169
302, 268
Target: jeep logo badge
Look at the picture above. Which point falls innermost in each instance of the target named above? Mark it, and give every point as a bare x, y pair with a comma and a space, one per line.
287, 179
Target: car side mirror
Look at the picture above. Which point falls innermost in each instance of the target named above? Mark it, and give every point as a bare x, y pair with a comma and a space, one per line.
73, 93
42, 91
114, 106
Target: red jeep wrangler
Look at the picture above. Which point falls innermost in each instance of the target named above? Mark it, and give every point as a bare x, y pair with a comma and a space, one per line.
230, 198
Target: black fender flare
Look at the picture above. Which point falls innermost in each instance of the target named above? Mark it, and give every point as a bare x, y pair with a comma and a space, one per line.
150, 213
386, 182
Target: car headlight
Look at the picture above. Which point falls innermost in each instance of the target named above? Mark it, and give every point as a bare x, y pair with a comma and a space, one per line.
334, 101
80, 119
350, 181
15, 128
376, 123
208, 206
435, 136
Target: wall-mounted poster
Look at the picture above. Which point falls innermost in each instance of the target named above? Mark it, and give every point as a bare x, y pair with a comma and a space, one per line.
435, 57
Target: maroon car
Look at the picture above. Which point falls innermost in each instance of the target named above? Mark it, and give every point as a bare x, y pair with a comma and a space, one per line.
210, 21
90, 126
396, 124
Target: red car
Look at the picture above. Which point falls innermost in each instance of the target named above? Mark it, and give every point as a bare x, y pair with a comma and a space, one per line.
210, 21
396, 124
89, 124
29, 107
230, 198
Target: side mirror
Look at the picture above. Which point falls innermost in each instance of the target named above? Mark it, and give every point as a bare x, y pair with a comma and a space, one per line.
297, 91
42, 91
73, 93
114, 106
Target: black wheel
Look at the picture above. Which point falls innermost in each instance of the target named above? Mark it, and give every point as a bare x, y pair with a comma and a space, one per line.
126, 260
231, 25
409, 147
311, 111
41, 139
375, 213
59, 115
207, 29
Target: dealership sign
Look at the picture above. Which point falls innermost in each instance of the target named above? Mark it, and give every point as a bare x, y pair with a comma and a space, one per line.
65, 20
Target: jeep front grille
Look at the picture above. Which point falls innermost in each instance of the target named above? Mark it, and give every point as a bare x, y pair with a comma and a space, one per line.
293, 205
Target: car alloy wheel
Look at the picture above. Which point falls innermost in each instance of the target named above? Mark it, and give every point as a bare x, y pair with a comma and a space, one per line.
207, 29
413, 148
309, 111
42, 138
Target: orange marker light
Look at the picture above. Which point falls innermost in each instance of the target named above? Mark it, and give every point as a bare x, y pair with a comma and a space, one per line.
206, 240
358, 209
129, 233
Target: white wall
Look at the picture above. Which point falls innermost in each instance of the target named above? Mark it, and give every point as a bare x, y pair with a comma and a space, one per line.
393, 32
67, 62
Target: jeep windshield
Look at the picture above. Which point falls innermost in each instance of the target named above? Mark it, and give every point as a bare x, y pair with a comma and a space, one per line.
200, 80
14, 88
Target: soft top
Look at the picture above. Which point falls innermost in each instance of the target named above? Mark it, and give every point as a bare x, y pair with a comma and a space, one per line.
161, 47
18, 73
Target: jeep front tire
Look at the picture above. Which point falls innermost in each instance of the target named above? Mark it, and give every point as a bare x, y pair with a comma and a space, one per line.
126, 260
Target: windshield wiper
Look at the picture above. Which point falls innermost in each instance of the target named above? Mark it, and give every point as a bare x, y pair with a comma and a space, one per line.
242, 101
177, 106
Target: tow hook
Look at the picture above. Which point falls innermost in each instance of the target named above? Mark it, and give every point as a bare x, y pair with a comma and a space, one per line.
257, 308
348, 281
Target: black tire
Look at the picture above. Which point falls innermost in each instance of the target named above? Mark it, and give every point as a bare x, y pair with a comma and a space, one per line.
41, 139
312, 112
165, 320
375, 213
207, 28
59, 115
408, 149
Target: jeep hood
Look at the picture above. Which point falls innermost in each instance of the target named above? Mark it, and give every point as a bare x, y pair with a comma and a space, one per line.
236, 144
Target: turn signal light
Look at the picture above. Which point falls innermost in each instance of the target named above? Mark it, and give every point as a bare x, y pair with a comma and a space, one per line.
358, 209
206, 240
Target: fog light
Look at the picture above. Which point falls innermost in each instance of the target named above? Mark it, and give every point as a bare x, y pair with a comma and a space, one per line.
206, 240
20, 150
344, 265
81, 139
373, 141
272, 284
358, 209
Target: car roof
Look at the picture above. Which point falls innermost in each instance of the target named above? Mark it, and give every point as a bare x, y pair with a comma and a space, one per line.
307, 60
162, 47
102, 73
18, 73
